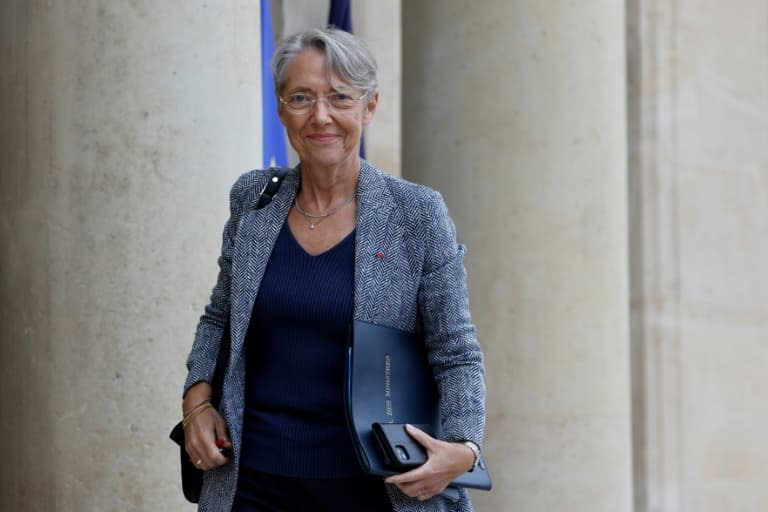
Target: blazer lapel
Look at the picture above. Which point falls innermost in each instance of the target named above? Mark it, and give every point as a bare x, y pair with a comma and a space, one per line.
256, 236
372, 241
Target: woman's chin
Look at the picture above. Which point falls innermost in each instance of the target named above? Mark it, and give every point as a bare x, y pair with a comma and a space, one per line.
327, 158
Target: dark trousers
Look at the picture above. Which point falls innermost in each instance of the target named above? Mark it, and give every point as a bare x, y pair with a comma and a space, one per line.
262, 492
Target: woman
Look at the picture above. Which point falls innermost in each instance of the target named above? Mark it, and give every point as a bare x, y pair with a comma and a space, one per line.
340, 240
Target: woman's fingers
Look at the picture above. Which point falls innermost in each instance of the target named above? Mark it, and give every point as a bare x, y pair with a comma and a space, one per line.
201, 435
421, 437
445, 461
420, 483
222, 442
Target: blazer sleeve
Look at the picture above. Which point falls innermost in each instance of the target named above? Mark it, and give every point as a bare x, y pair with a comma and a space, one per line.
201, 362
453, 349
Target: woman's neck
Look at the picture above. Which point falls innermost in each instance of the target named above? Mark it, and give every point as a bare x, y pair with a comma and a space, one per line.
322, 188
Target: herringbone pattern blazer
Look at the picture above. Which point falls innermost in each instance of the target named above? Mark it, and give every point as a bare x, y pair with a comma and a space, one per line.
409, 268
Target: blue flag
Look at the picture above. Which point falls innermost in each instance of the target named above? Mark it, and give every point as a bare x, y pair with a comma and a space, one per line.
272, 132
340, 16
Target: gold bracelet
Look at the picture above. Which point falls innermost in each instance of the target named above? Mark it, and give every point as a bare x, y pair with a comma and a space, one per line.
195, 407
194, 414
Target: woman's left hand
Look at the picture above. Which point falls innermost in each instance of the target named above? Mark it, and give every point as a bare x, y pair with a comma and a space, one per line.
445, 461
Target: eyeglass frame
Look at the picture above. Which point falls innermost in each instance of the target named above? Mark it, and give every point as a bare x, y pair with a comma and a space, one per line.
324, 99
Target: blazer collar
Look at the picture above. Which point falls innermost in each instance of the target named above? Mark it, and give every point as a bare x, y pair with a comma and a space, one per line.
374, 197
374, 208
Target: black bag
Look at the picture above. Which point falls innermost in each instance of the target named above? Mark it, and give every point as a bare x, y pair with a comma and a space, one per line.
191, 477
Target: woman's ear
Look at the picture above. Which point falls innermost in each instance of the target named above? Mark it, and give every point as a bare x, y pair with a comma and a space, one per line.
370, 108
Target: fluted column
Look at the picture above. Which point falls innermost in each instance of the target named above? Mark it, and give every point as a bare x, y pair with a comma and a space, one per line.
698, 98
516, 112
123, 125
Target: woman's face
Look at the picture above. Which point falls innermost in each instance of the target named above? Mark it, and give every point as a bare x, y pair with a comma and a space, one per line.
322, 136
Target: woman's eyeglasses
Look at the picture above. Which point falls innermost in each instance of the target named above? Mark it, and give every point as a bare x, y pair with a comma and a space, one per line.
338, 101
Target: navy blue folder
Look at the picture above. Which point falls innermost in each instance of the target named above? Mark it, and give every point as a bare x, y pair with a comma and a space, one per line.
389, 380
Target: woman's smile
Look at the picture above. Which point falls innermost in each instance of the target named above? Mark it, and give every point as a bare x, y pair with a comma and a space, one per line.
323, 138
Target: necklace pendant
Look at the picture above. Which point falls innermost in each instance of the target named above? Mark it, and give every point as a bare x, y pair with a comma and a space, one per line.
311, 226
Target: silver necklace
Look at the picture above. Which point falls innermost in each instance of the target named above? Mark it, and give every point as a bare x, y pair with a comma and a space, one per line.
313, 219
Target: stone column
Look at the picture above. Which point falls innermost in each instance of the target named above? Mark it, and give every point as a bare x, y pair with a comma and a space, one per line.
515, 111
698, 97
379, 23
123, 126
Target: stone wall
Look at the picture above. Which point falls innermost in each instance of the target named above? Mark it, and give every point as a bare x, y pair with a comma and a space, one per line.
516, 112
115, 181
698, 99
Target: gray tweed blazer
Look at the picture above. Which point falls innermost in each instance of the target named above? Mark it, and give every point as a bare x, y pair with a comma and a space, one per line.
420, 278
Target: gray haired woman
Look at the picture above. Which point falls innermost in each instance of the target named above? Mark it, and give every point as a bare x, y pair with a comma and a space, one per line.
340, 241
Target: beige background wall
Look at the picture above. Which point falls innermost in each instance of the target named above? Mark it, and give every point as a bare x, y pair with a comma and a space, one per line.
516, 113
114, 187
699, 180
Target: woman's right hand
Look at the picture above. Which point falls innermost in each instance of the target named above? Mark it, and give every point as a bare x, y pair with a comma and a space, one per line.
204, 429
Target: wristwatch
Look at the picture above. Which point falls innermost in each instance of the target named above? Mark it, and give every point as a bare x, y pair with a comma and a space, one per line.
475, 450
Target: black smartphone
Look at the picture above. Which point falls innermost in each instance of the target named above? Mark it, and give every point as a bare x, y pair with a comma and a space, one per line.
399, 449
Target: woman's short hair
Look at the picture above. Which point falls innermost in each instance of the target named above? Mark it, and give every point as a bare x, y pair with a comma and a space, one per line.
345, 54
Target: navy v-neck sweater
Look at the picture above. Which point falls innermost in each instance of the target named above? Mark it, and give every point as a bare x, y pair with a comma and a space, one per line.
294, 422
